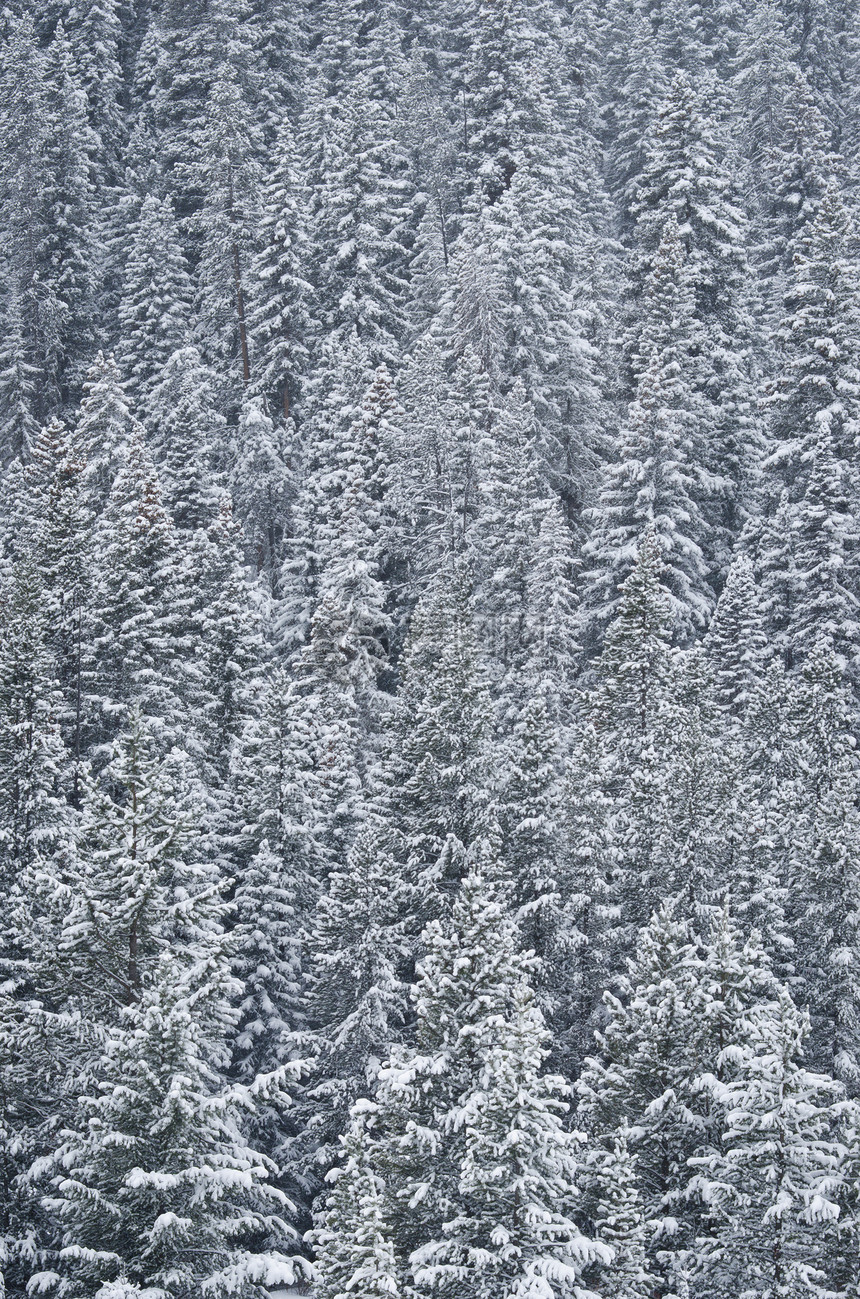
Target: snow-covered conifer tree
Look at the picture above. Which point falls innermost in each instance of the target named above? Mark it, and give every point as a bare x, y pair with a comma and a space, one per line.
471, 1128
772, 1188
736, 643
154, 311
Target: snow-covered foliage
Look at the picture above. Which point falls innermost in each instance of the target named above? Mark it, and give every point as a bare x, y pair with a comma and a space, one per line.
430, 649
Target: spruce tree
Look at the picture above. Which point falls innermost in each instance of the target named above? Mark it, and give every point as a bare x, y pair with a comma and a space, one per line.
771, 1187
353, 1251
687, 175
655, 482
471, 1128
736, 643
438, 773
135, 597
358, 953
154, 311
156, 1185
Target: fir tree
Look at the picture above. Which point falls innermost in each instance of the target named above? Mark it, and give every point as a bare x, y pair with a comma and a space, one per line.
358, 953
279, 317
32, 808
154, 311
352, 1248
472, 1129
439, 774
103, 428
686, 176
771, 1189
653, 483
735, 642
135, 597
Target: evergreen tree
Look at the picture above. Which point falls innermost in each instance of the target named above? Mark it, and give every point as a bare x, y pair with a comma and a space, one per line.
156, 1185
19, 378
279, 319
154, 311
33, 756
616, 1209
826, 604
684, 1002
771, 1187
736, 643
472, 1130
104, 426
686, 175
822, 901
262, 486
68, 249
438, 772
353, 1251
135, 597
818, 384
187, 433
653, 483
97, 39
61, 546
358, 953
357, 203
226, 173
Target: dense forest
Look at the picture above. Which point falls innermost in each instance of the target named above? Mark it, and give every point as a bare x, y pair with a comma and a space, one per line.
430, 649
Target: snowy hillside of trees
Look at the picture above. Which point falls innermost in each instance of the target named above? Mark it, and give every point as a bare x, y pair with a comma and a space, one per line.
430, 649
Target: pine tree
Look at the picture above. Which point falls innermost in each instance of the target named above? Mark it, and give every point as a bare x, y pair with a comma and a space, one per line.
771, 1187
352, 1248
472, 1130
800, 168
735, 643
631, 83
135, 597
222, 639
521, 551
154, 311
356, 997
552, 602
327, 709
19, 377
274, 813
654, 481
778, 145
635, 658
139, 822
531, 230
353, 542
776, 560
